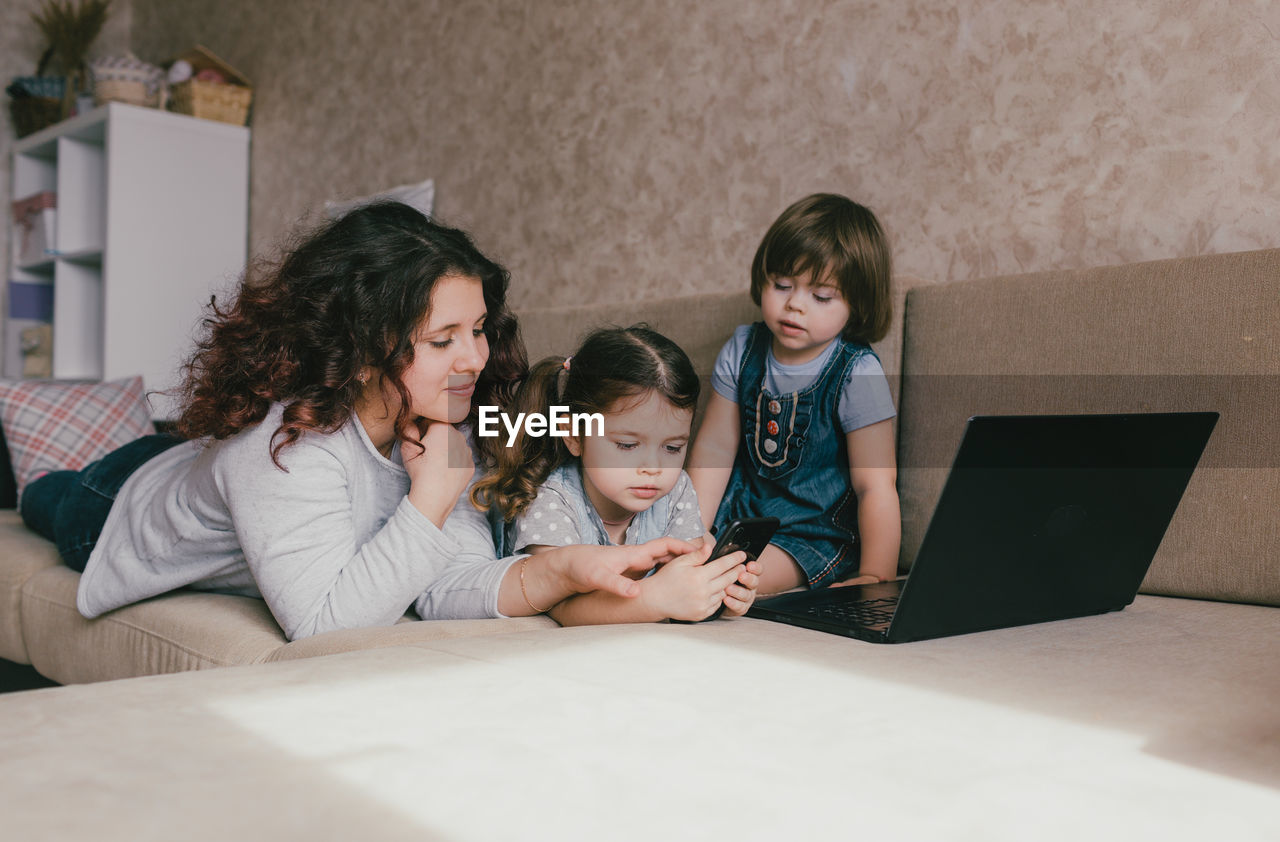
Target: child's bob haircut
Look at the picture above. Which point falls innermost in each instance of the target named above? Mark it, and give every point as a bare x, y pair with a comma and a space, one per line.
840, 243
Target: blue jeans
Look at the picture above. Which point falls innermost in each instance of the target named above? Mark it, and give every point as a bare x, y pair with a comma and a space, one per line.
70, 507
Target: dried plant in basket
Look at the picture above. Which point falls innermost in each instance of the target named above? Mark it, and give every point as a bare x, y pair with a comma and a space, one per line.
70, 30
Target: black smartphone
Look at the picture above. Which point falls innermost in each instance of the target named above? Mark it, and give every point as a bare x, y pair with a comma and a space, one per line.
749, 534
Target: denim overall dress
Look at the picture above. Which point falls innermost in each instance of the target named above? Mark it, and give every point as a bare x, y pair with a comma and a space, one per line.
793, 463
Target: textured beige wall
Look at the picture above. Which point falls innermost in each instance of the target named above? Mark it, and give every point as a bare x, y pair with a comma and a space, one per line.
618, 150
20, 48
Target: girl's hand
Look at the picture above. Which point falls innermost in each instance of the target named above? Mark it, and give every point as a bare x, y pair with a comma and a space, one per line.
691, 588
440, 471
740, 595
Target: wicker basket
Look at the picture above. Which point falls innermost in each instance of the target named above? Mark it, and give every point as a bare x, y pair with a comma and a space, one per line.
36, 102
226, 97
123, 90
126, 79
221, 101
32, 113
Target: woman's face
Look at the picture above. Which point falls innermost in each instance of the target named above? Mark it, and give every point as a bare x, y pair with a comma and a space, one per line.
449, 352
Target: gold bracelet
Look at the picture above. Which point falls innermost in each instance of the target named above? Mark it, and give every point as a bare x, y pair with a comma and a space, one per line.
536, 610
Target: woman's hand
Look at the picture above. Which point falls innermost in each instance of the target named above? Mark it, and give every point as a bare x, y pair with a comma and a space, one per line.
556, 573
440, 471
740, 595
587, 568
691, 588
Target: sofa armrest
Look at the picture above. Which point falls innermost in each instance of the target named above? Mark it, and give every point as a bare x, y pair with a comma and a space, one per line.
172, 633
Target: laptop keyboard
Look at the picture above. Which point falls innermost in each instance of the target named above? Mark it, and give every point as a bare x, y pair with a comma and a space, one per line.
871, 612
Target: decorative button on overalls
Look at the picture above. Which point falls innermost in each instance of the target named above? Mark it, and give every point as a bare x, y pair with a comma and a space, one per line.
793, 462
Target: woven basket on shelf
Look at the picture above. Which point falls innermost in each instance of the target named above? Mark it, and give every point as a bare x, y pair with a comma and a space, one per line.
36, 101
126, 79
123, 90
32, 113
225, 97
219, 101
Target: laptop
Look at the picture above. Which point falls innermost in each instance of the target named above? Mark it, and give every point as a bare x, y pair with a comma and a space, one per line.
1043, 517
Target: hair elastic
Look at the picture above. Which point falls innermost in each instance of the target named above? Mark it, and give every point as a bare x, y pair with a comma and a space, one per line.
561, 376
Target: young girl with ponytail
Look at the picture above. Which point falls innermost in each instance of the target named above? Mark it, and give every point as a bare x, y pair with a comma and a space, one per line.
622, 484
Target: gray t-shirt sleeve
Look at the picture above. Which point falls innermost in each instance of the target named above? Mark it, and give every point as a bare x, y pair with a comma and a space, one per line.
302, 548
865, 399
549, 521
685, 521
724, 375
468, 588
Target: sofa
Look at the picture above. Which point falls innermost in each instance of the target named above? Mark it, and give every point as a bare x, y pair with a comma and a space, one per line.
1158, 720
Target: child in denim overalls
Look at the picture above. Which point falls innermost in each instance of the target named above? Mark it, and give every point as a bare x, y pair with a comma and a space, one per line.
798, 426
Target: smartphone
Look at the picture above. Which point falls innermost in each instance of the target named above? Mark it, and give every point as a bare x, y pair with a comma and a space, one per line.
749, 534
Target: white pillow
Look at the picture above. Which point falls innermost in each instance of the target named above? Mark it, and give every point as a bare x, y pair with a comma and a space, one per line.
421, 196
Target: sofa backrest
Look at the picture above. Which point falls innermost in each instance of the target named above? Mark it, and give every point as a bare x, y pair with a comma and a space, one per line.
1198, 333
700, 324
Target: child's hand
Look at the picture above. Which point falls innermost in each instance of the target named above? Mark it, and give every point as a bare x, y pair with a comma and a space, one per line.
689, 587
740, 595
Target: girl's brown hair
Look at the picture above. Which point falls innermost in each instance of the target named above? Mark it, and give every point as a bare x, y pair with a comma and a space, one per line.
832, 237
350, 295
613, 364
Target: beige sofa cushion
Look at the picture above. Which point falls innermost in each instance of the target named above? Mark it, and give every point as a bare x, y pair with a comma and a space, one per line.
667, 732
24, 554
1190, 334
188, 631
174, 633
408, 632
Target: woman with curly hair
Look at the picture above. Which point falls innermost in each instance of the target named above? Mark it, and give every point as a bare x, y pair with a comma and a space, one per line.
319, 463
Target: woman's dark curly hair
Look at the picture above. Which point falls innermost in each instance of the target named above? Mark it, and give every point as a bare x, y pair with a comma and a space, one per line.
614, 367
350, 295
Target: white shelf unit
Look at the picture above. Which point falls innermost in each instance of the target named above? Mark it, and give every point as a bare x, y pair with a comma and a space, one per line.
152, 219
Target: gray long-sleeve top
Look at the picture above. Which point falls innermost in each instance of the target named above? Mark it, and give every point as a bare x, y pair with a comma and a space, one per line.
330, 543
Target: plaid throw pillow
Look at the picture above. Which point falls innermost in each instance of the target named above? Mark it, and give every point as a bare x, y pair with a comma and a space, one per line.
55, 426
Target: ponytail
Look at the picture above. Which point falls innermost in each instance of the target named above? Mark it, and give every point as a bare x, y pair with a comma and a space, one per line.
519, 470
